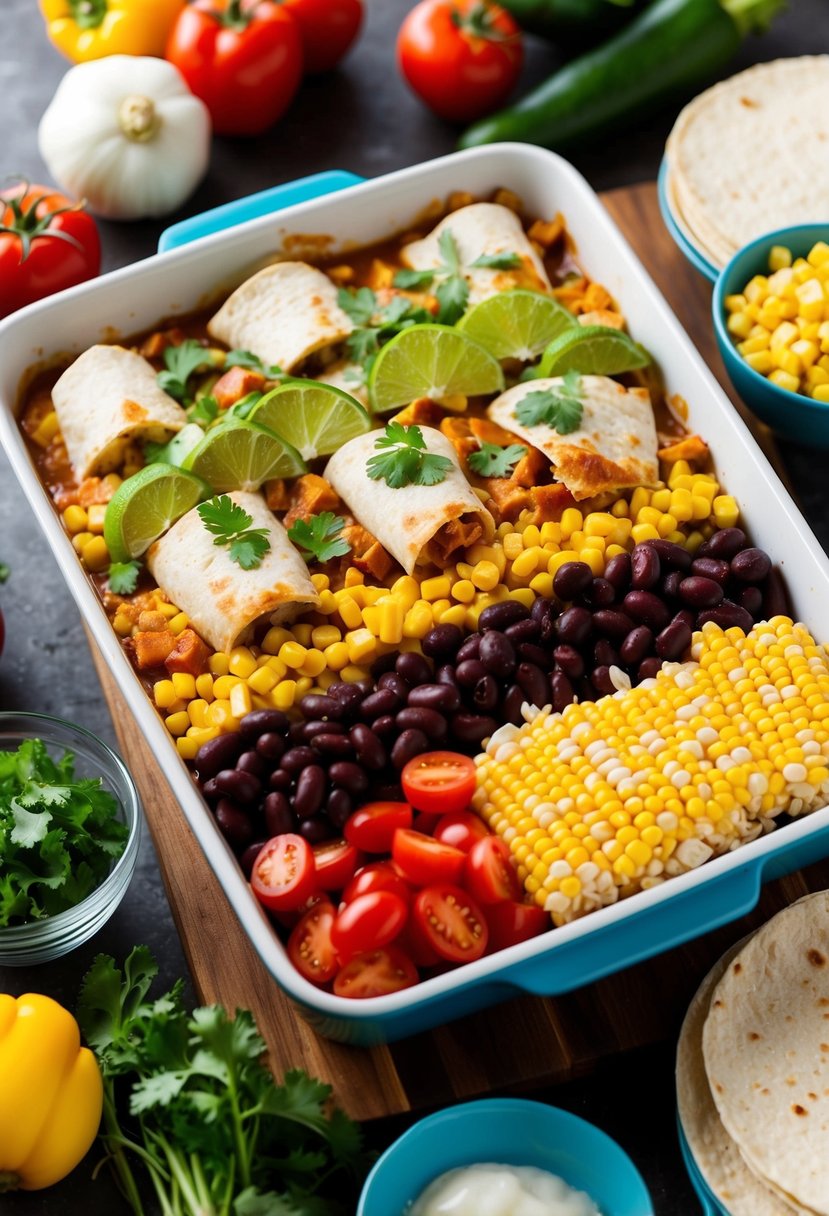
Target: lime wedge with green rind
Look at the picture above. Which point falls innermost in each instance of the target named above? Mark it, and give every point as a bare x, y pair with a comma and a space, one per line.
437, 361
241, 455
517, 324
146, 505
316, 419
593, 350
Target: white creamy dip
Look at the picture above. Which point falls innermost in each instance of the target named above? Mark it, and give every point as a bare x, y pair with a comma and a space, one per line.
502, 1190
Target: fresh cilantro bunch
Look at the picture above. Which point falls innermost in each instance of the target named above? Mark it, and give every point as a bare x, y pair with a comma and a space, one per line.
375, 323
560, 408
59, 836
214, 1132
230, 525
320, 537
493, 461
448, 279
403, 459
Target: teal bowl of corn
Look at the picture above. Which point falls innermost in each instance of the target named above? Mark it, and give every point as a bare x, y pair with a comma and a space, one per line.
771, 317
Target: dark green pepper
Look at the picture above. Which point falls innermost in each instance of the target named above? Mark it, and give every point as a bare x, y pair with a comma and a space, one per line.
581, 21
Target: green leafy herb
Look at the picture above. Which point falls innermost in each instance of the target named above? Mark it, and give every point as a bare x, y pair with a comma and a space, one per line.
452, 289
403, 459
4, 572
123, 577
230, 525
320, 537
244, 407
561, 408
246, 358
494, 461
214, 1132
375, 323
58, 835
203, 411
182, 362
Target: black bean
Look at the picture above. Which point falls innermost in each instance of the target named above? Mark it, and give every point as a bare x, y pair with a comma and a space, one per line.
575, 625
296, 732
670, 584
775, 595
239, 786
530, 653
470, 648
394, 683
544, 613
562, 690
407, 745
388, 791
648, 668
314, 830
636, 645
687, 616
446, 675
497, 653
645, 567
485, 694
280, 780
674, 640
368, 748
278, 816
472, 728
384, 726
432, 723
534, 683
523, 631
258, 721
435, 696
711, 567
346, 694
338, 746
311, 729
469, 672
671, 554
601, 681
246, 861
270, 745
384, 701
751, 598
338, 807
727, 615
295, 760
700, 592
612, 623
364, 686
511, 708
413, 668
252, 762
617, 571
568, 659
317, 705
442, 642
600, 593
209, 789
234, 824
647, 608
751, 566
218, 753
604, 655
502, 614
571, 580
380, 666
726, 543
349, 775
310, 790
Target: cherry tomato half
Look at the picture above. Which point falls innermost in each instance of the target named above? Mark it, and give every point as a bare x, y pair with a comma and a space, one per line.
461, 57
424, 860
335, 863
490, 872
328, 28
309, 946
461, 830
510, 922
372, 828
376, 973
451, 923
439, 782
378, 876
368, 922
283, 874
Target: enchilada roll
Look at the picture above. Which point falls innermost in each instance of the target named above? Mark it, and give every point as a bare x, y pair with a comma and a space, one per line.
223, 601
283, 314
107, 398
482, 230
416, 524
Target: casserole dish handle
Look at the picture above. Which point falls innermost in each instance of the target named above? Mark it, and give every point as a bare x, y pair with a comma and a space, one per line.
255, 205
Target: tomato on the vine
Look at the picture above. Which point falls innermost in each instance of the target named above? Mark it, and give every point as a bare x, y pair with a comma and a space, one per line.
283, 875
47, 243
244, 60
309, 946
328, 28
376, 973
462, 57
439, 783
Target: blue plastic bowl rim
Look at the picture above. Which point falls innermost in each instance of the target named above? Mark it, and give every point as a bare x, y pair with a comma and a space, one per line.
694, 255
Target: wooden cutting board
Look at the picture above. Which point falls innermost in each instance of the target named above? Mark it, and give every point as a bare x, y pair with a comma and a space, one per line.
526, 1042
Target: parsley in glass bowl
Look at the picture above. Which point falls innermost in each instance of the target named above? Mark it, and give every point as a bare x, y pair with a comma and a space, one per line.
70, 822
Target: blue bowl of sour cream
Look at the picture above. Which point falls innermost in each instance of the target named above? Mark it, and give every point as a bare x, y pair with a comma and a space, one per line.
507, 1132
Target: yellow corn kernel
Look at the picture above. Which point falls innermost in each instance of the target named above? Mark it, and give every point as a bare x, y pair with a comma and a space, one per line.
391, 620
240, 702
787, 361
816, 376
784, 335
821, 392
371, 619
513, 544
328, 603
178, 623
166, 609
818, 255
571, 521
46, 430
735, 303
241, 662
739, 324
197, 712
262, 681
351, 673
353, 577
75, 519
407, 590
785, 380
292, 654
810, 299
762, 362
754, 344
275, 639
523, 595
204, 686
325, 635
810, 330
542, 584
526, 563
418, 620
437, 588
321, 581
164, 693
302, 633
95, 554
122, 624
599, 523
222, 686
485, 575
455, 615
178, 723
95, 517
463, 591
187, 748
349, 610
361, 644
218, 664
184, 684
314, 664
757, 290
336, 656
283, 695
642, 532
779, 257
806, 351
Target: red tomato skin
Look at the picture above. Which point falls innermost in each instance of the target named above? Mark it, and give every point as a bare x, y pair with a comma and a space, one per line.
416, 944
511, 922
490, 874
375, 973
328, 28
335, 863
439, 783
52, 263
247, 78
309, 946
377, 876
369, 922
424, 860
426, 823
435, 907
291, 855
372, 828
459, 75
461, 830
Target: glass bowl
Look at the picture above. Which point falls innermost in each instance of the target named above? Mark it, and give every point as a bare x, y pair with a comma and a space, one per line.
43, 940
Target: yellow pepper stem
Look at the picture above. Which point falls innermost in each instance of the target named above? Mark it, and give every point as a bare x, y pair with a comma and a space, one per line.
9, 1181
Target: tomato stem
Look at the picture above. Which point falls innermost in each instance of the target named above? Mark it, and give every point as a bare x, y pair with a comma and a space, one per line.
235, 16
25, 222
479, 21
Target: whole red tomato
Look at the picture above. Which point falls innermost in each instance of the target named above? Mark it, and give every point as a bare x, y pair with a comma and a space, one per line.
243, 58
47, 242
328, 28
462, 57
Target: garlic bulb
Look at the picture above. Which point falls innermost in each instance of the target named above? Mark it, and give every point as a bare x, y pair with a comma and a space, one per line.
126, 134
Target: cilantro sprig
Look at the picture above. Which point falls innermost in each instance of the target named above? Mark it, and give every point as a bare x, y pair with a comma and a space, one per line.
246, 358
448, 278
320, 537
230, 525
123, 577
375, 323
560, 408
182, 362
402, 459
493, 461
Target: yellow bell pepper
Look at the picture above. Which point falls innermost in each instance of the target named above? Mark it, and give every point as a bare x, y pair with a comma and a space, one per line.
51, 1093
91, 29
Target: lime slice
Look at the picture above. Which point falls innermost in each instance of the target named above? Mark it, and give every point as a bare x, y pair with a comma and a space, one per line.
240, 455
146, 505
593, 350
517, 324
316, 418
434, 361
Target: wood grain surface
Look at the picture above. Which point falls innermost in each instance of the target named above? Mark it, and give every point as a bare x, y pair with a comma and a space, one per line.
526, 1042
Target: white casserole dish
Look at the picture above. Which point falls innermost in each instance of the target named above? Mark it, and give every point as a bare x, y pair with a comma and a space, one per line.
179, 281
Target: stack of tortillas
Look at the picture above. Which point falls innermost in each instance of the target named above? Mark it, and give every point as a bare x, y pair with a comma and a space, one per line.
753, 1069
751, 155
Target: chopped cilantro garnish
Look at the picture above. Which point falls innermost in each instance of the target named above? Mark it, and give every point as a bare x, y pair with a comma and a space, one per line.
403, 459
203, 411
182, 362
452, 289
246, 358
493, 461
230, 525
375, 323
560, 408
320, 537
123, 577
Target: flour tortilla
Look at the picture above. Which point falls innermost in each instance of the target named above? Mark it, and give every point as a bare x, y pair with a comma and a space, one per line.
404, 520
482, 228
347, 376
766, 1050
222, 600
614, 447
751, 154
108, 397
283, 314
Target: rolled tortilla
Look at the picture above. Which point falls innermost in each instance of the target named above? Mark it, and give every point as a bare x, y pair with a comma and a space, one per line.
106, 398
337, 375
222, 600
614, 446
482, 228
416, 524
283, 314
